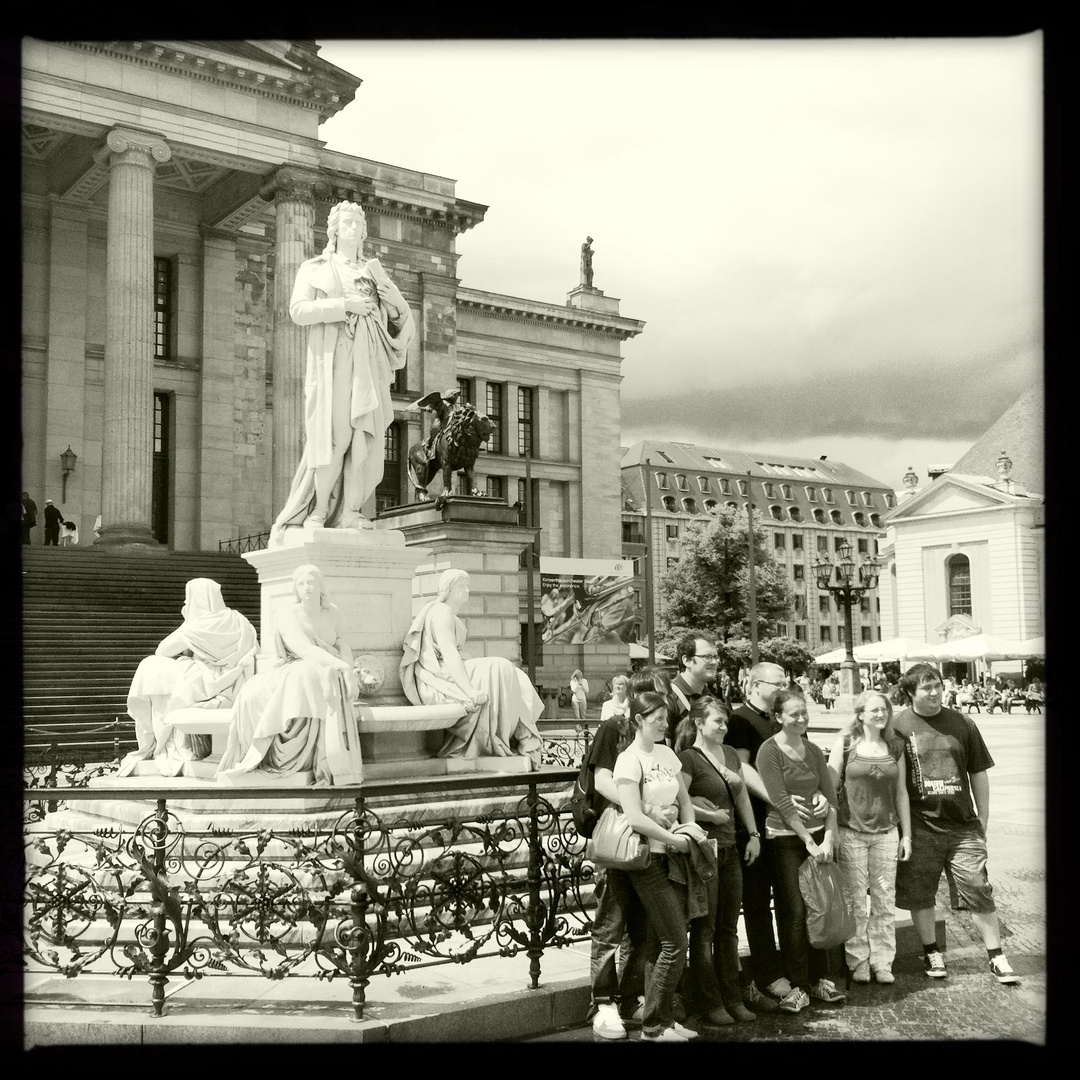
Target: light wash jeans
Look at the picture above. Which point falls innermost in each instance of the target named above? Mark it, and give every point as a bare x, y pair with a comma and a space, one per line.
868, 860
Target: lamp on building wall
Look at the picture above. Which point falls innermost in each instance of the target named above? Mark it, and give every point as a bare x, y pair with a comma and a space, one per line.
67, 465
848, 579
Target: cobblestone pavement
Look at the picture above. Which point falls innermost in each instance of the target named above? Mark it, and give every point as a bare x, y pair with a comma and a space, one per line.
970, 1004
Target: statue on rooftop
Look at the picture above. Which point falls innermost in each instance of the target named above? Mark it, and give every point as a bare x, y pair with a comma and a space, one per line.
586, 262
202, 665
502, 704
360, 330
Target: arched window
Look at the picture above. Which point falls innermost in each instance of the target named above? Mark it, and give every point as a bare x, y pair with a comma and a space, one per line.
837, 517
732, 505
777, 513
690, 506
669, 504
710, 506
958, 572
794, 513
819, 515
875, 520
860, 518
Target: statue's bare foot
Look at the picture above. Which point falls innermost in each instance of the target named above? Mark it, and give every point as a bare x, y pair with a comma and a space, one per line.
314, 521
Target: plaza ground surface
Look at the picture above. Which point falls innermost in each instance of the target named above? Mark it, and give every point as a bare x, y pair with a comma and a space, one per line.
488, 1000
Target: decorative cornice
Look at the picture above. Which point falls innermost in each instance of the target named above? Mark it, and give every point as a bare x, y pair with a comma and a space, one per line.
182, 58
288, 182
509, 308
458, 217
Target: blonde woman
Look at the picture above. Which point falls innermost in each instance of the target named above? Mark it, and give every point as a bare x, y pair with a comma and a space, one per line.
579, 694
867, 763
619, 702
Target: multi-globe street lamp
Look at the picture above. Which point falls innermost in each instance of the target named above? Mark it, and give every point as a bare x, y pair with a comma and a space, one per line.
848, 580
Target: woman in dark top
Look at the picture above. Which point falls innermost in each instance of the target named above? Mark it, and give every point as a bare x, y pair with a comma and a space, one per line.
712, 773
791, 766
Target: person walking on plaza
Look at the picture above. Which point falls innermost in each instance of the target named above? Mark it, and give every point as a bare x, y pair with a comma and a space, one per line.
791, 766
53, 520
579, 694
750, 725
698, 660
867, 765
828, 692
949, 790
29, 516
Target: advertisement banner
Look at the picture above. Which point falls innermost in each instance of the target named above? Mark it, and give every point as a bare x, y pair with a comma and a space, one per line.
587, 600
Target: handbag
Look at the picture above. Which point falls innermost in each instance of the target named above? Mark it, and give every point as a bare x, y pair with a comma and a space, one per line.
829, 919
585, 800
615, 846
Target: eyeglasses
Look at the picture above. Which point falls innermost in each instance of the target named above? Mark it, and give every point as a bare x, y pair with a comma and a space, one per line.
706, 656
778, 685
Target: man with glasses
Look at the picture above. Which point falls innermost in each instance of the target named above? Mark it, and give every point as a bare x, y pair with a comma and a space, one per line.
750, 725
947, 762
698, 659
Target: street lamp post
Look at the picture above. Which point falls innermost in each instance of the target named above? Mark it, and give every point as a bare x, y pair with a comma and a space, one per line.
848, 580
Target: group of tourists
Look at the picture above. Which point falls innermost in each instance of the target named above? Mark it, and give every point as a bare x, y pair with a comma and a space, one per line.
733, 801
59, 532
993, 693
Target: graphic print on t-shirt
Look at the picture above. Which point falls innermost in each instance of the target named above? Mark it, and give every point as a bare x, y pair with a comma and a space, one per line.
932, 760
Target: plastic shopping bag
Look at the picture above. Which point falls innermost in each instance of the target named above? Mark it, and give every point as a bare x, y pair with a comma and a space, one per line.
829, 919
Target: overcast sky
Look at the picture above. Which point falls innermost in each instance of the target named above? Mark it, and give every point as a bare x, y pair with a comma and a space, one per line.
836, 245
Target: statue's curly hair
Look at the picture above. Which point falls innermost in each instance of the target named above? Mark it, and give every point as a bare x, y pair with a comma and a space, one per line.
332, 223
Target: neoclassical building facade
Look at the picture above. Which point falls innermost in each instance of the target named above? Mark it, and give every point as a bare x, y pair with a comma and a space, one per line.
170, 191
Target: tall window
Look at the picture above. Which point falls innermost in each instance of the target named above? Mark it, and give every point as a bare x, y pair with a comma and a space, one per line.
703, 483
798, 573
826, 635
823, 545
388, 493
958, 569
496, 395
823, 604
159, 481
796, 541
466, 391
526, 497
779, 542
828, 495
661, 480
800, 633
526, 428
680, 482
163, 313
867, 634
496, 487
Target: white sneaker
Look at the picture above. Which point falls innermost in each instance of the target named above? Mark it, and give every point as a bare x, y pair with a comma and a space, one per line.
674, 1034
1002, 971
685, 1032
607, 1024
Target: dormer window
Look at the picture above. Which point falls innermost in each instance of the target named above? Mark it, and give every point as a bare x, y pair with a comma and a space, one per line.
703, 483
867, 498
690, 506
875, 520
811, 494
837, 517
770, 491
795, 513
710, 506
852, 498
828, 495
680, 482
731, 505
662, 481
890, 501
725, 486
669, 503
785, 490
743, 488
860, 518
819, 515
777, 513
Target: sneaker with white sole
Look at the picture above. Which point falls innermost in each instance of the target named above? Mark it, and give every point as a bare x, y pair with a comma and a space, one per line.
861, 972
795, 1002
1002, 971
934, 965
685, 1032
673, 1034
759, 1002
884, 976
824, 990
607, 1024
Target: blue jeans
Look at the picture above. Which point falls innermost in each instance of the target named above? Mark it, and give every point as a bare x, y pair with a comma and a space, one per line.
757, 898
714, 939
665, 952
803, 964
618, 913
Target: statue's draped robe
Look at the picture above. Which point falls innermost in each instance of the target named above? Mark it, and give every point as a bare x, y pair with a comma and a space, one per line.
503, 726
200, 665
365, 350
295, 718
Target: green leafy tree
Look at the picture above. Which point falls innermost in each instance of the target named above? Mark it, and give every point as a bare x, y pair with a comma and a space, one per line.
793, 656
709, 586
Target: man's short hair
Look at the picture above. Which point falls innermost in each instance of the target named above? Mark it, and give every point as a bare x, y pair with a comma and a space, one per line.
761, 672
918, 674
687, 646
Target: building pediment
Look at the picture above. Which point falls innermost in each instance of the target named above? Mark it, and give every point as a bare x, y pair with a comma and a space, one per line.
953, 494
956, 627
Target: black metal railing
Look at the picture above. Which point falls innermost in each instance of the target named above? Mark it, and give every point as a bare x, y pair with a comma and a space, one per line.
367, 889
254, 542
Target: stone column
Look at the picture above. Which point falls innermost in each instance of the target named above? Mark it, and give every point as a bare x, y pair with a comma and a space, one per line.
127, 455
293, 193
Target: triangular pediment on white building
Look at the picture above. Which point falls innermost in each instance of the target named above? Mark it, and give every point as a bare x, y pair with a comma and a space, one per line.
956, 627
955, 493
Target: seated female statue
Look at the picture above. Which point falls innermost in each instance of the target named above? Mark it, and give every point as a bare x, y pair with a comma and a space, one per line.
202, 665
502, 704
300, 716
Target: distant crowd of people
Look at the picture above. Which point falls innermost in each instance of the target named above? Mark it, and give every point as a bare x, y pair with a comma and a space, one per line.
733, 799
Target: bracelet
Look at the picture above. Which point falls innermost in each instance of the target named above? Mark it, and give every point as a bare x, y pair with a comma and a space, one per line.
753, 834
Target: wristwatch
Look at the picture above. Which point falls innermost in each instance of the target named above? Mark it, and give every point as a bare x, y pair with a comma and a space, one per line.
757, 834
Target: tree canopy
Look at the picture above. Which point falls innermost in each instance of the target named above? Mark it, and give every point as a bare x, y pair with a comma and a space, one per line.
709, 586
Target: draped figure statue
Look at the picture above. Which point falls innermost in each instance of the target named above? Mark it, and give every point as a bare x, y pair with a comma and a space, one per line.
360, 330
202, 665
300, 716
502, 704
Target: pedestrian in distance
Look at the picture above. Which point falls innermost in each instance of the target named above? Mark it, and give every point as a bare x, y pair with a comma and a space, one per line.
29, 516
579, 694
619, 702
69, 534
53, 520
949, 792
867, 765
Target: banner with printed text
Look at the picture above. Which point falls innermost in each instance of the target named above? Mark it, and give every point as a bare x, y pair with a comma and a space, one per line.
587, 600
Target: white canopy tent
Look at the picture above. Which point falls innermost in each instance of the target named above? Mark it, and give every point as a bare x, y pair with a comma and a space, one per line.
984, 647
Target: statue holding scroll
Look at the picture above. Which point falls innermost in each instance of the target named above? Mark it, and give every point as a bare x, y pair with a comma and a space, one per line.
360, 331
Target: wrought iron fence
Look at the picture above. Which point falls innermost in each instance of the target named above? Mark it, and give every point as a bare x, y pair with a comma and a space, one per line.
253, 542
366, 890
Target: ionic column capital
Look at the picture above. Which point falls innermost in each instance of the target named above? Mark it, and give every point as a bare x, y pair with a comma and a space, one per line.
131, 147
289, 182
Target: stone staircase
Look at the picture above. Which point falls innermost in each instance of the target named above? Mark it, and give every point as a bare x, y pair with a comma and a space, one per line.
89, 616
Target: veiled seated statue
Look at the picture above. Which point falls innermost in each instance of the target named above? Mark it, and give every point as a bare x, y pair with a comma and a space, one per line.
502, 704
299, 716
201, 665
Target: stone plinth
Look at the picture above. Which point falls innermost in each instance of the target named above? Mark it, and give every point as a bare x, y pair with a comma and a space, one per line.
587, 298
482, 537
369, 576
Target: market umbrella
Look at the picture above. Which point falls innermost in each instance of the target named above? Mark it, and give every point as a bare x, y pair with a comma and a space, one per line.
979, 647
641, 652
900, 648
836, 656
1035, 646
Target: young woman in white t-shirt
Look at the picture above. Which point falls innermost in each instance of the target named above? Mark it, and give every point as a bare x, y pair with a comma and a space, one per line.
648, 776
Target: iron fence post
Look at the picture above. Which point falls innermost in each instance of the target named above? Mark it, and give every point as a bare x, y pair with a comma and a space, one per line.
536, 914
160, 946
358, 938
